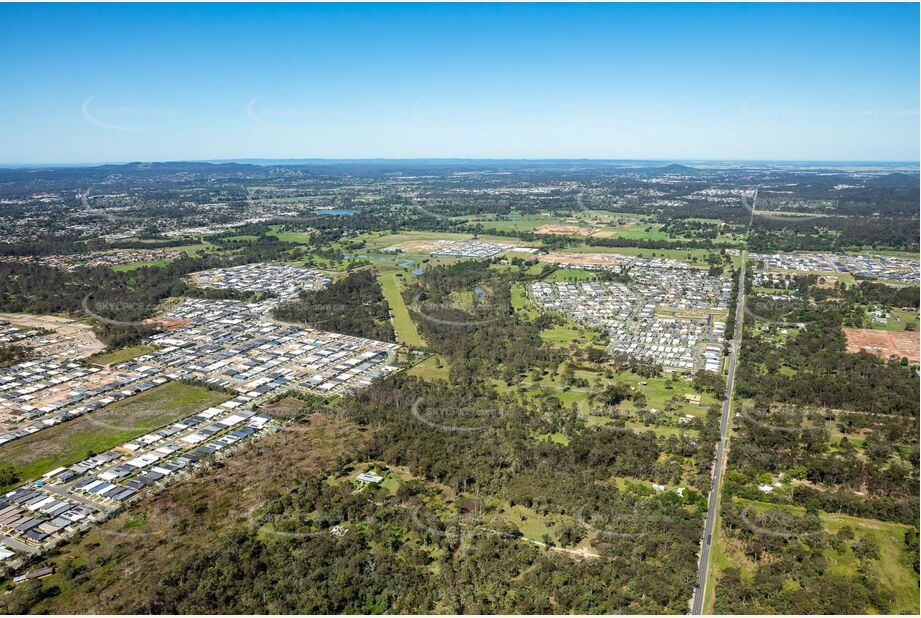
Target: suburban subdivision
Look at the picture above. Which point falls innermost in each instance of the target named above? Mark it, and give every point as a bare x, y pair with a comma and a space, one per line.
477, 387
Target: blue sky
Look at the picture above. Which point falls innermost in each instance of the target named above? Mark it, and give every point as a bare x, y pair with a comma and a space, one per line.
97, 83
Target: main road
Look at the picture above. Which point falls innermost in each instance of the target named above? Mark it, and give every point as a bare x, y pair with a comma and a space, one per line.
719, 463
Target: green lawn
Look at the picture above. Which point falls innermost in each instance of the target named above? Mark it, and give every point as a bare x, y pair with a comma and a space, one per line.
556, 437
402, 322
120, 356
103, 429
291, 236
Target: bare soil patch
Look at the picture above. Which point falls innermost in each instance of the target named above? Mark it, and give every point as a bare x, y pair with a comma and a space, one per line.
884, 343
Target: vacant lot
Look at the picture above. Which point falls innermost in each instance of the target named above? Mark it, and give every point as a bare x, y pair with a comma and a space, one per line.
569, 230
120, 356
98, 431
883, 343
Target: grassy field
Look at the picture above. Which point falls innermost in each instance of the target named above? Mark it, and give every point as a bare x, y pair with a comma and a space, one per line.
432, 368
513, 223
120, 356
402, 322
291, 236
99, 431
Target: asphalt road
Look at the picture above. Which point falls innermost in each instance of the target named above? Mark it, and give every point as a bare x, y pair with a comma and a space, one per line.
719, 462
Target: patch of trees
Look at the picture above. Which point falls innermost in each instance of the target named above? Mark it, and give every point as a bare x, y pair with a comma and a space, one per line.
116, 302
824, 373
10, 354
353, 306
798, 578
481, 335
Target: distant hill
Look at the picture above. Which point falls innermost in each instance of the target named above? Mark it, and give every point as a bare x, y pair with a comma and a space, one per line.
676, 168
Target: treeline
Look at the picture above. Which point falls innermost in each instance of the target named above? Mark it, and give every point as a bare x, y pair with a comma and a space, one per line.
789, 442
833, 233
116, 302
867, 292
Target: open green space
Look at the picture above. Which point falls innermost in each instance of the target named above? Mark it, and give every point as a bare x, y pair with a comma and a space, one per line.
433, 368
120, 356
402, 321
69, 442
694, 257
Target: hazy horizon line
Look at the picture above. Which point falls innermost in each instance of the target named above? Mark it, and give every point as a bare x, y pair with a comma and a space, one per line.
267, 161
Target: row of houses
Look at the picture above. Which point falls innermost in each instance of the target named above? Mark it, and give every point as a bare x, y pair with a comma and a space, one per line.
884, 267
115, 257
68, 498
222, 344
35, 395
280, 279
468, 248
664, 315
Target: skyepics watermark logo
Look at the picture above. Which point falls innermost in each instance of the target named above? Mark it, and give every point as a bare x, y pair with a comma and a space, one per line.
455, 419
779, 524
99, 309
777, 419
634, 523
127, 117
464, 526
288, 117
476, 308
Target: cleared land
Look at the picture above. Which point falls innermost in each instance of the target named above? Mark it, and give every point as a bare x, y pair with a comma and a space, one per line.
402, 322
99, 431
884, 343
568, 230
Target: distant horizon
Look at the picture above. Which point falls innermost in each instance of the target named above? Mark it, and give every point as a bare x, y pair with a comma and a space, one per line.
268, 161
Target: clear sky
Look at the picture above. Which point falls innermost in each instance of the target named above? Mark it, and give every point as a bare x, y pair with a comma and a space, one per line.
108, 83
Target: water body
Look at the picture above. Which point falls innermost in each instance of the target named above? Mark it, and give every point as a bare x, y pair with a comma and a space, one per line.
416, 271
479, 291
336, 211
